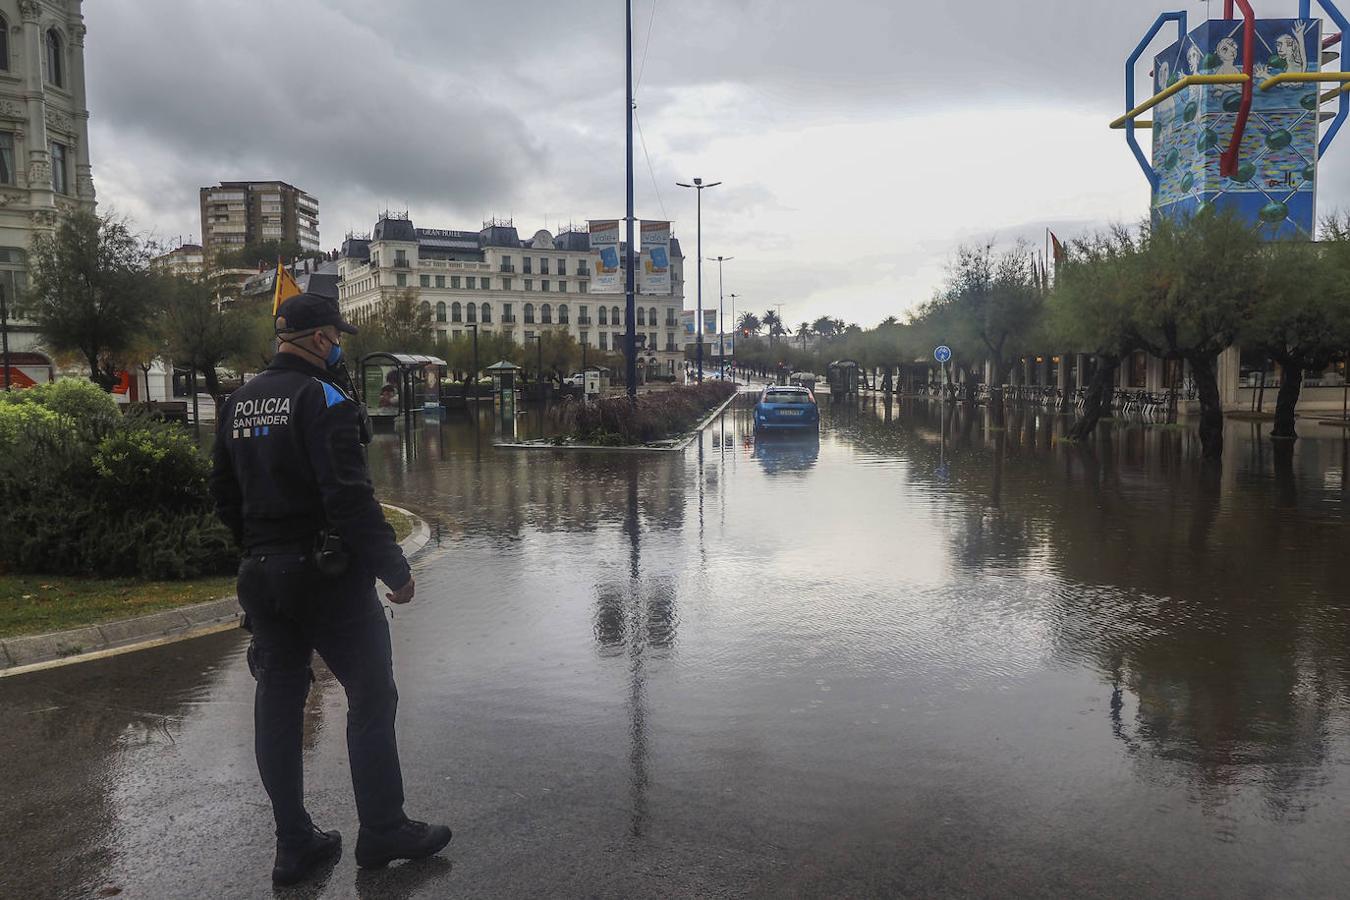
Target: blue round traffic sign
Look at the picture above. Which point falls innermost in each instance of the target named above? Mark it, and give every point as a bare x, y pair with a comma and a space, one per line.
942, 353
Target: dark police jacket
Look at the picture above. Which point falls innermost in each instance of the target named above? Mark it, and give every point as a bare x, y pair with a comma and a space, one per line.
288, 463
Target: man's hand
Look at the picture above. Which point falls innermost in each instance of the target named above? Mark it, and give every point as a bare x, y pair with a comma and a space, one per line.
403, 594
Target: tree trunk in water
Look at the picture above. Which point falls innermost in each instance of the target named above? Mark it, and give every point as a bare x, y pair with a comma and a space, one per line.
1095, 402
1291, 383
1211, 408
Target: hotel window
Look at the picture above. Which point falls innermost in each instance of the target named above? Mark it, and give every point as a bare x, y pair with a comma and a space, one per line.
471, 309
456, 312
401, 280
562, 267
60, 184
585, 338
642, 316
604, 341
543, 265
485, 283
529, 313
604, 315
400, 257
506, 313
440, 311
468, 282
440, 281
4, 44
528, 261
562, 314
454, 282
543, 285
546, 314
529, 284
6, 157
487, 314
56, 73
506, 283
582, 287
562, 287
424, 280
614, 316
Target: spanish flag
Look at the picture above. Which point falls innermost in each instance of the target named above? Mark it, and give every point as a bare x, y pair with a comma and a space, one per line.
285, 287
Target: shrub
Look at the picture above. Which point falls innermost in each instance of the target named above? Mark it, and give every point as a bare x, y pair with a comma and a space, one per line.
91, 410
617, 421
85, 492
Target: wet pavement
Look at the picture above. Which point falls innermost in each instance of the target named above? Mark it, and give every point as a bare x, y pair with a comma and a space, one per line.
881, 663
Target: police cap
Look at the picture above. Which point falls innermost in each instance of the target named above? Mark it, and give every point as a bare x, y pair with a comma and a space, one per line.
305, 312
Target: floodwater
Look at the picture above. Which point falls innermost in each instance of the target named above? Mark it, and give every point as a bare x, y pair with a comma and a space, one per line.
887, 661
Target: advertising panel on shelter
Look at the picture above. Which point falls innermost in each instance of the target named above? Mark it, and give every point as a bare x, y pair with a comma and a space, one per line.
655, 257
1274, 184
605, 257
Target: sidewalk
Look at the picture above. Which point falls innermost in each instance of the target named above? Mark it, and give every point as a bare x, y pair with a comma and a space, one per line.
33, 653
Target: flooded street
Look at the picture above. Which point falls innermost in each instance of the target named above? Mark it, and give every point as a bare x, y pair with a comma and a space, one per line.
887, 661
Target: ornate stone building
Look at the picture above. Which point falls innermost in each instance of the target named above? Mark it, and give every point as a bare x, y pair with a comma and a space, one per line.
44, 132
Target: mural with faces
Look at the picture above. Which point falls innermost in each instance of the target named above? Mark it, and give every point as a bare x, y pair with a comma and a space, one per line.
1274, 186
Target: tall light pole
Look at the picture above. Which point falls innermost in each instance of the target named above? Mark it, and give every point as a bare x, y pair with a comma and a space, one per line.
630, 335
4, 335
474, 326
721, 313
733, 325
699, 186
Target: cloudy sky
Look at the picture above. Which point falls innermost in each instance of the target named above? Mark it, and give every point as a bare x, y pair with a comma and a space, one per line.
859, 141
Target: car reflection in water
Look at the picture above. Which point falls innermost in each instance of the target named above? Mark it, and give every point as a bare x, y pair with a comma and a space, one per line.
783, 453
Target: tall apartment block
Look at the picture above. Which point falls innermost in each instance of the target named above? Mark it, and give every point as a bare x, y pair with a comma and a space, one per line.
235, 213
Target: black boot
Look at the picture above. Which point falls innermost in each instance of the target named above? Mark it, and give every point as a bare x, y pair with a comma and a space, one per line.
297, 861
407, 840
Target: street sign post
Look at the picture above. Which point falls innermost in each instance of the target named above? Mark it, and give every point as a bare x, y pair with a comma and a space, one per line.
943, 354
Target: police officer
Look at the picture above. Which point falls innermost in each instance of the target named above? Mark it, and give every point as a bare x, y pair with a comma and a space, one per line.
290, 480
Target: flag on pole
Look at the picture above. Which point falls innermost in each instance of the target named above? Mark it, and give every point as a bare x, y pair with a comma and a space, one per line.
285, 287
1058, 248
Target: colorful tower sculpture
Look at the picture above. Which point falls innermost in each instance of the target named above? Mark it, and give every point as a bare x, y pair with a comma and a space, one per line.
1237, 109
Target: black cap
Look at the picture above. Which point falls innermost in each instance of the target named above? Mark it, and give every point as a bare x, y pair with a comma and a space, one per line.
305, 312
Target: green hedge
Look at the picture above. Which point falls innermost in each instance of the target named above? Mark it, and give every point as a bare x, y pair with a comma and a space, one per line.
660, 415
85, 491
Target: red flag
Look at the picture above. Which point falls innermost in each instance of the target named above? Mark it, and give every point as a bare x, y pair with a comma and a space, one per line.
1058, 248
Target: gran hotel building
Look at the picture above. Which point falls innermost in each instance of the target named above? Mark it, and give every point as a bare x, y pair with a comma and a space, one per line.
494, 280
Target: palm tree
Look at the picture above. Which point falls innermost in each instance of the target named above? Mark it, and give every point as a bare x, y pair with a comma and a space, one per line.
825, 326
803, 332
749, 323
773, 322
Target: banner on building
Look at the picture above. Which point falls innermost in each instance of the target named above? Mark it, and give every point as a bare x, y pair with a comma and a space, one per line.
605, 257
655, 257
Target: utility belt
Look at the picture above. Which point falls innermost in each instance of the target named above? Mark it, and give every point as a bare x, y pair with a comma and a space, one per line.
326, 552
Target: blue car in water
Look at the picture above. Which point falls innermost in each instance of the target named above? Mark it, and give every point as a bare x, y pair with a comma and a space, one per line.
786, 408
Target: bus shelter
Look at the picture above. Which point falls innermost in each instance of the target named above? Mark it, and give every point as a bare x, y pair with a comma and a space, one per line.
401, 384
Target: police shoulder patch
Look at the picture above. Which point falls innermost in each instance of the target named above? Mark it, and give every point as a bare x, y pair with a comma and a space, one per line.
331, 395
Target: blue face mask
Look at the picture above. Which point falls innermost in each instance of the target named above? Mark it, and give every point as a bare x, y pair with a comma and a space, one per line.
334, 354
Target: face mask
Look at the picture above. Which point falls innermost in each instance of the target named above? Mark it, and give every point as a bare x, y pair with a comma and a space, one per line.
334, 354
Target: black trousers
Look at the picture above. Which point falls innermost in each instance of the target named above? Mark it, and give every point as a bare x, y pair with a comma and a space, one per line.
293, 611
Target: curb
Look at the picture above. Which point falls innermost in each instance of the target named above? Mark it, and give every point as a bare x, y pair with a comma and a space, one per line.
36, 652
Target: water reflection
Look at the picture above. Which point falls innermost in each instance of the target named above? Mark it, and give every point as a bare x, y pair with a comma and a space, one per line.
781, 454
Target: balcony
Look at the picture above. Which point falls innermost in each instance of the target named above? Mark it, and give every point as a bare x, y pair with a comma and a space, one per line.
508, 319
506, 267
584, 321
671, 323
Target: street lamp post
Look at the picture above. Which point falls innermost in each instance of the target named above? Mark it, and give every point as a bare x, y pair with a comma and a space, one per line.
630, 305
699, 186
734, 326
474, 326
721, 316
539, 362
4, 335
